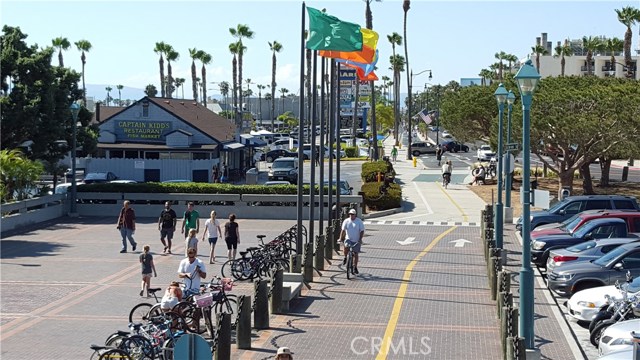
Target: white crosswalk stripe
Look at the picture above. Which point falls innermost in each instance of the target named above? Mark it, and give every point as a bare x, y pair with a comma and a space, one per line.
420, 223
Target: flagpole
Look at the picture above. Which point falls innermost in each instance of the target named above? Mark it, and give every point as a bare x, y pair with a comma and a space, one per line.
322, 125
338, 124
312, 134
300, 137
332, 109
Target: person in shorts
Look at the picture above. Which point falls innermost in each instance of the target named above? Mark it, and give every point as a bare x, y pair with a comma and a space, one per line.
212, 229
231, 236
148, 267
351, 235
167, 225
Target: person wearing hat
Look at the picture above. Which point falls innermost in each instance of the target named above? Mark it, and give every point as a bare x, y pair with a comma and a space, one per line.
284, 353
352, 234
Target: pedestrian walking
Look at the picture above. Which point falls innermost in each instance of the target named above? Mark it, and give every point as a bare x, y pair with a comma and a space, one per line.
212, 229
167, 226
146, 262
231, 236
191, 242
439, 152
394, 154
190, 220
127, 226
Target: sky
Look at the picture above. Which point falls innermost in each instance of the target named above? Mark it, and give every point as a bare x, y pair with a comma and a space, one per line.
453, 39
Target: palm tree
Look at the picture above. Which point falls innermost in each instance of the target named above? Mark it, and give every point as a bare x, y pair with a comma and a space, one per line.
591, 44
180, 84
83, 46
385, 86
234, 48
239, 32
486, 74
500, 56
61, 43
562, 51
397, 65
150, 90
614, 46
511, 59
193, 53
108, 88
391, 86
284, 92
260, 88
161, 49
224, 90
172, 55
119, 87
539, 50
269, 99
205, 58
275, 47
406, 5
394, 39
628, 16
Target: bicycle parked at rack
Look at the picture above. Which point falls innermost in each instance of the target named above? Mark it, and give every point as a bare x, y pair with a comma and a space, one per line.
108, 353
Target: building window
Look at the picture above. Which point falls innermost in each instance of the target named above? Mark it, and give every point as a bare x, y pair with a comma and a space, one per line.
151, 155
131, 154
145, 108
181, 155
165, 155
200, 156
116, 154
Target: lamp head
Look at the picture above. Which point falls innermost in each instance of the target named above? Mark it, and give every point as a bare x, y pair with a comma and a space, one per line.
511, 98
527, 78
430, 75
75, 109
501, 94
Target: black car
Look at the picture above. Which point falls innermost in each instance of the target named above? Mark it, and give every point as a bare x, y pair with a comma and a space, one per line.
454, 146
421, 148
274, 154
100, 177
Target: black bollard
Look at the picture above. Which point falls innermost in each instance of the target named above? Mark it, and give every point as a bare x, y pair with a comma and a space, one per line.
308, 263
328, 250
243, 329
261, 313
223, 345
276, 292
319, 256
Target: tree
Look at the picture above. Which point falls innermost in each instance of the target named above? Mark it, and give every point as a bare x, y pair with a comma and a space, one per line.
150, 90
119, 87
591, 44
61, 43
172, 55
275, 47
18, 175
539, 50
260, 88
161, 49
384, 114
241, 31
224, 90
501, 56
486, 74
284, 92
179, 82
628, 16
288, 119
83, 46
511, 59
205, 58
269, 100
562, 51
613, 46
397, 65
108, 88
193, 53
406, 5
234, 48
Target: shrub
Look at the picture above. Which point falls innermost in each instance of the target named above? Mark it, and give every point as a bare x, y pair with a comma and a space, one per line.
195, 188
351, 151
370, 170
374, 200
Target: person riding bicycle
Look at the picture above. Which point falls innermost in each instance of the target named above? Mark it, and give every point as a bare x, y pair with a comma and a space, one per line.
351, 235
447, 168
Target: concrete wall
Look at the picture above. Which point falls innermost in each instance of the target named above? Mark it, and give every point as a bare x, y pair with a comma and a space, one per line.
32, 211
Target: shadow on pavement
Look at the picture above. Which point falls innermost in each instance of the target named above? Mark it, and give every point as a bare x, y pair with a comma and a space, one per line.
13, 249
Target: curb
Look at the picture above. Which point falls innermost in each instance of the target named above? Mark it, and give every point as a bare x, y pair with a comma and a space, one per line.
623, 166
381, 213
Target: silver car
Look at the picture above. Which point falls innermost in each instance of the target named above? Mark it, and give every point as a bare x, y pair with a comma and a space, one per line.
584, 251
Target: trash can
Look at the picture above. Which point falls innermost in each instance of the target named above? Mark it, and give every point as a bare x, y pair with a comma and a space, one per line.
252, 176
566, 192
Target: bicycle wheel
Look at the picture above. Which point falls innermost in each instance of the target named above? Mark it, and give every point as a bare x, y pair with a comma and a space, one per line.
229, 305
178, 322
138, 347
349, 264
191, 315
114, 340
114, 354
140, 313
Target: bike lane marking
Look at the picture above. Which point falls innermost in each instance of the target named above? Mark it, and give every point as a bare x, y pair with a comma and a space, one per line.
464, 215
397, 305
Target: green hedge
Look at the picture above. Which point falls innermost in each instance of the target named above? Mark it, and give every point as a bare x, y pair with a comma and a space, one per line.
374, 200
370, 170
195, 188
351, 151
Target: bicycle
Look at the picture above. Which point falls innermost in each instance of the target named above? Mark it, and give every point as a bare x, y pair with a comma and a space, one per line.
350, 255
446, 179
109, 353
141, 312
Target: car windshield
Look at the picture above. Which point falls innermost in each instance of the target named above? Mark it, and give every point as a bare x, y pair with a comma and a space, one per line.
91, 176
558, 205
583, 230
283, 164
572, 223
343, 184
485, 147
582, 246
606, 258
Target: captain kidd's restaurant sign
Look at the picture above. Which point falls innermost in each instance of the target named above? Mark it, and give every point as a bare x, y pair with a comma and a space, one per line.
142, 130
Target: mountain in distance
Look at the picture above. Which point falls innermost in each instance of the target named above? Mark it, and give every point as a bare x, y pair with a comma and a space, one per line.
98, 92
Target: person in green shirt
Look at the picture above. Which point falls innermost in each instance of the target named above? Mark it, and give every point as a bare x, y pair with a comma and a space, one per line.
394, 153
190, 220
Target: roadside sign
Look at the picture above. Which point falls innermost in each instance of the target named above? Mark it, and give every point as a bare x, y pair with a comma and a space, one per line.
511, 147
192, 347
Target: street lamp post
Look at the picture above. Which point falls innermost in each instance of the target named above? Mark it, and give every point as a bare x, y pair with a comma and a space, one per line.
409, 111
511, 98
501, 97
527, 78
75, 109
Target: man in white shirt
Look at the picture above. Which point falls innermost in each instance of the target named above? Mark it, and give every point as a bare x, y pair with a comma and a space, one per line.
352, 234
192, 269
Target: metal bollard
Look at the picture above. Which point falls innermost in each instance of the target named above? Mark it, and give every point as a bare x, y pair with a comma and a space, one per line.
319, 255
515, 348
295, 263
505, 301
307, 272
504, 281
328, 251
261, 312
223, 335
243, 329
276, 292
493, 277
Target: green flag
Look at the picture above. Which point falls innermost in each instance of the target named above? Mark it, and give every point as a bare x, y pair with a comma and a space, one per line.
327, 32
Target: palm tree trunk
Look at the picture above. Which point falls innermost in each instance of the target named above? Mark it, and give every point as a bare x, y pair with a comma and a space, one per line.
204, 86
562, 64
169, 81
240, 79
194, 83
60, 61
161, 62
627, 52
84, 88
273, 90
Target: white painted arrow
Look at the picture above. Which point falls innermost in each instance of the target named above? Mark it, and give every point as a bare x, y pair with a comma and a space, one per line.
460, 242
407, 241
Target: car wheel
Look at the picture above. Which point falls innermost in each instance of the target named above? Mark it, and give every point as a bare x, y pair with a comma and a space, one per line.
416, 153
269, 159
466, 149
455, 150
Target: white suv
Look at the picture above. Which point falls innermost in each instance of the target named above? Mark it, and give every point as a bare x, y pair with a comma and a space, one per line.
485, 153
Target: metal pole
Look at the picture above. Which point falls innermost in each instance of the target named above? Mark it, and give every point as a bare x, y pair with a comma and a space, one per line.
526, 273
74, 192
438, 120
300, 137
322, 144
312, 134
374, 123
499, 212
507, 171
338, 145
332, 107
409, 116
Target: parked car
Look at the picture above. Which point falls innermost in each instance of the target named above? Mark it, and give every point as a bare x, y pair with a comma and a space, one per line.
284, 144
446, 134
572, 205
123, 182
277, 182
99, 177
485, 153
606, 270
592, 230
617, 337
64, 188
454, 146
585, 304
631, 217
272, 155
177, 181
422, 148
284, 169
585, 251
618, 355
345, 188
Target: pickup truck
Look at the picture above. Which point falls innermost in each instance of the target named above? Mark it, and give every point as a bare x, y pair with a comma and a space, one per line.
592, 230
